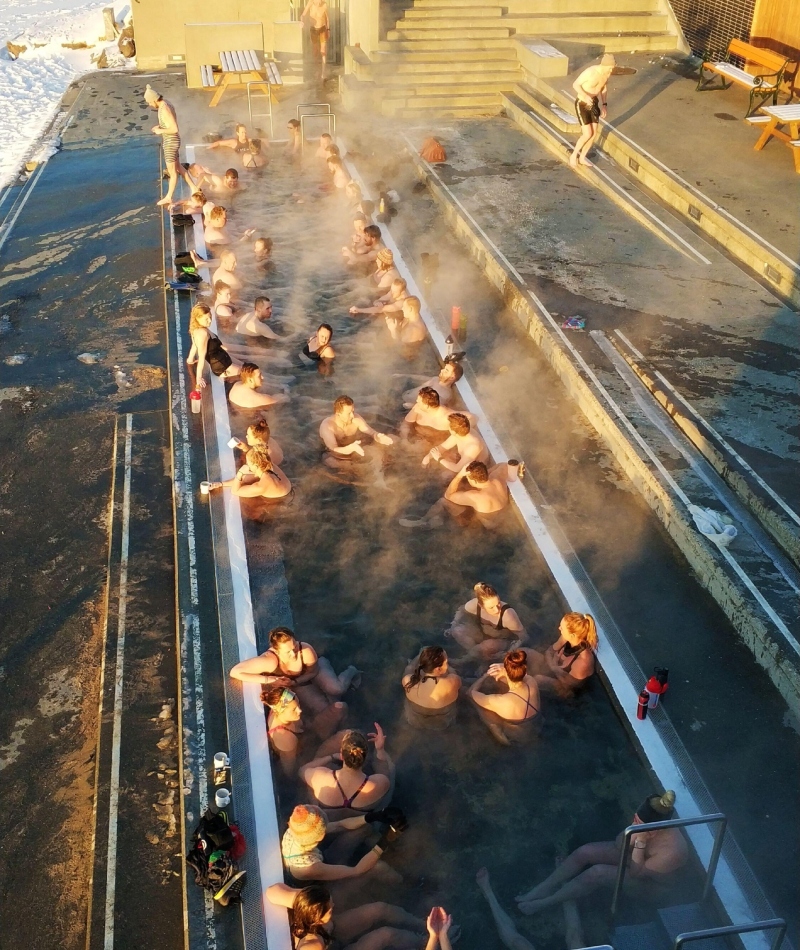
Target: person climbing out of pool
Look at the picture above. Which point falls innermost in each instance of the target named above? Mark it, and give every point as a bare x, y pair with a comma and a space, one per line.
389, 304
225, 271
245, 393
304, 859
207, 348
513, 715
410, 330
318, 347
431, 690
506, 930
463, 446
315, 15
567, 666
254, 322
240, 142
170, 134
655, 860
450, 373
287, 723
295, 664
341, 432
374, 926
487, 627
337, 778
428, 417
365, 256
256, 482
474, 489
258, 434
591, 102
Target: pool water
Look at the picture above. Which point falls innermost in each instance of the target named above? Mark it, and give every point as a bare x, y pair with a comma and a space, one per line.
365, 590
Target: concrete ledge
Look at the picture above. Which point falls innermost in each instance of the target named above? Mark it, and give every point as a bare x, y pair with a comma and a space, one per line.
539, 58
357, 63
714, 573
357, 94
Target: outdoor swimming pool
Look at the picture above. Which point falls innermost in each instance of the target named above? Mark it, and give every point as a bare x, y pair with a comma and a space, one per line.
367, 591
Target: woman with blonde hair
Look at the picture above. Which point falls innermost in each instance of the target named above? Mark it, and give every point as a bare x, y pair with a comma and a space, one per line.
259, 434
569, 663
258, 484
486, 627
287, 722
208, 348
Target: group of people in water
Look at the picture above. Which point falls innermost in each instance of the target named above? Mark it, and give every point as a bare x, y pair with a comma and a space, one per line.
336, 837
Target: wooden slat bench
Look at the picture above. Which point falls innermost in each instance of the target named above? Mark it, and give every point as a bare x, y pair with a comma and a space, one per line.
783, 115
763, 85
236, 66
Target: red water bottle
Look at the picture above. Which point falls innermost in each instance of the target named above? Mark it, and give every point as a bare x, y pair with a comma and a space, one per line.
455, 320
195, 397
656, 686
641, 708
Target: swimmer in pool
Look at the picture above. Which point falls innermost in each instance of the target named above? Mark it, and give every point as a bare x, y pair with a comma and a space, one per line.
450, 373
318, 347
257, 478
254, 158
473, 489
258, 434
262, 253
254, 322
340, 432
223, 300
245, 395
368, 252
191, 205
360, 221
337, 779
463, 446
512, 715
428, 414
486, 627
217, 233
294, 143
339, 173
431, 689
287, 722
656, 857
322, 149
388, 305
355, 200
385, 271
227, 184
225, 272
567, 665
410, 330
240, 143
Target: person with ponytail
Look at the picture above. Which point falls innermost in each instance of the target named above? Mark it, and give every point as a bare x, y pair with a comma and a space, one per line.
569, 663
376, 926
286, 726
431, 689
512, 715
486, 627
654, 860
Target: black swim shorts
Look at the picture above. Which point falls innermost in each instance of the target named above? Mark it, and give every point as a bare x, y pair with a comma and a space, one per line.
588, 114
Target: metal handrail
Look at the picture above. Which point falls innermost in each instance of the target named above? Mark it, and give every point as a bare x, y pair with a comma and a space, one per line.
775, 924
631, 830
326, 106
330, 116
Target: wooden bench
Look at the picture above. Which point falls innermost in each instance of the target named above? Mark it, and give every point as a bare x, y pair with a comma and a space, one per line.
236, 66
762, 85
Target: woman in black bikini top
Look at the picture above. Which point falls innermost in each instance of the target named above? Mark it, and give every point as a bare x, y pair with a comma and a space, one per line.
493, 709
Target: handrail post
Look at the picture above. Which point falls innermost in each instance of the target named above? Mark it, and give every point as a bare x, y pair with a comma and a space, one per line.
719, 835
623, 862
776, 943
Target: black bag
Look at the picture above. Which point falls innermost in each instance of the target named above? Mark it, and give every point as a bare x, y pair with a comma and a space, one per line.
211, 840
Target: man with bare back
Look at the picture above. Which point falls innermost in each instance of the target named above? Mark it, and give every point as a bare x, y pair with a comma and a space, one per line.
591, 101
316, 15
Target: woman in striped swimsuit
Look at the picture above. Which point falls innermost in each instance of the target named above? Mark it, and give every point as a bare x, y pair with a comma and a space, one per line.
167, 128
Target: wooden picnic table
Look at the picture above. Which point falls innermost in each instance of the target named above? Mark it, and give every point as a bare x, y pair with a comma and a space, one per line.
237, 66
782, 115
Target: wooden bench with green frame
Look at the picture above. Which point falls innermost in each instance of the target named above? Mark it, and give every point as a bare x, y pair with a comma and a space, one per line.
762, 85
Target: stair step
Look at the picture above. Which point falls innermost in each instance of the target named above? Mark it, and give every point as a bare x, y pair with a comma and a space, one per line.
459, 44
449, 23
429, 67
453, 88
449, 33
555, 6
452, 14
475, 57
537, 103
684, 918
640, 937
612, 43
454, 112
613, 23
472, 100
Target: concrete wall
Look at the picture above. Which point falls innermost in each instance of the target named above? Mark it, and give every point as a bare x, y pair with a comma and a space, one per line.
363, 24
159, 24
709, 27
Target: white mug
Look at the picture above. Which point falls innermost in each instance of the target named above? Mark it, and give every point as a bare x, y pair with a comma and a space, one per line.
205, 488
222, 798
221, 761
232, 443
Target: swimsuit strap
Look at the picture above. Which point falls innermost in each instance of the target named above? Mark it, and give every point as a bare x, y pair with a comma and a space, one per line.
281, 670
572, 656
348, 802
528, 705
503, 609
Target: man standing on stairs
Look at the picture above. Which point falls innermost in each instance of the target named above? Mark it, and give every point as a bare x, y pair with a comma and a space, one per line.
591, 102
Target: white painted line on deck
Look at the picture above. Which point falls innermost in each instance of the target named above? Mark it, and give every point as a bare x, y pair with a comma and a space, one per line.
8, 225
656, 751
119, 669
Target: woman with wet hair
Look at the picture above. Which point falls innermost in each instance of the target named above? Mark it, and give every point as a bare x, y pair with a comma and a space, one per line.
486, 627
318, 347
240, 142
252, 158
346, 789
294, 664
567, 666
207, 348
375, 926
286, 723
513, 715
258, 434
431, 689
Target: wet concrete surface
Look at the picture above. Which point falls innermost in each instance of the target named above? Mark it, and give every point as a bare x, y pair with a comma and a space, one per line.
81, 273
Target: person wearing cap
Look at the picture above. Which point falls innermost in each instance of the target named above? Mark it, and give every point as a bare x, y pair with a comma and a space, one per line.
654, 859
385, 271
167, 128
591, 104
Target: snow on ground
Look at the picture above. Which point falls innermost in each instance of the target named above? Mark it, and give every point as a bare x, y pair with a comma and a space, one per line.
31, 86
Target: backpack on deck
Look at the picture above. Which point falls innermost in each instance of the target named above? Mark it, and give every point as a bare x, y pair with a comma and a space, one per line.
433, 151
216, 846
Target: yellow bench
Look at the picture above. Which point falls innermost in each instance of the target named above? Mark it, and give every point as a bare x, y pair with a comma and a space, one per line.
763, 85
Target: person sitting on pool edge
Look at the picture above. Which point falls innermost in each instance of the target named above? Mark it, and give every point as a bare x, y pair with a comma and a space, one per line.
485, 494
244, 393
254, 322
207, 348
511, 716
340, 431
258, 434
463, 446
345, 789
567, 665
656, 857
431, 690
450, 373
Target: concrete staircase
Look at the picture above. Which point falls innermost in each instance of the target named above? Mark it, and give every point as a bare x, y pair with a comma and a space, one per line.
456, 57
